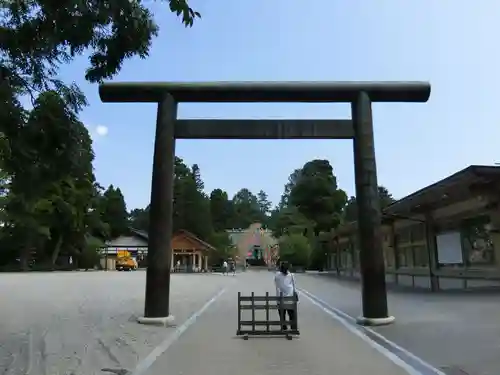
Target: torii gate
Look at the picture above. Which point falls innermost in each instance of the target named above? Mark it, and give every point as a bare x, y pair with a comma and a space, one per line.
359, 129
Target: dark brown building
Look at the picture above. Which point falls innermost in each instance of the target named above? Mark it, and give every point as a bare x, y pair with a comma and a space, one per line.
444, 236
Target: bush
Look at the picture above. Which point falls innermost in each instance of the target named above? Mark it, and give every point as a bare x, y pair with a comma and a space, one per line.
296, 250
90, 256
224, 248
319, 253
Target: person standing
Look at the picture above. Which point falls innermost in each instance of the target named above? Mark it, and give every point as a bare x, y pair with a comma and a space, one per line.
284, 281
224, 268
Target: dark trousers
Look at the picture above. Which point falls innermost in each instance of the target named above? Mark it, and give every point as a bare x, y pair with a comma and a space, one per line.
291, 317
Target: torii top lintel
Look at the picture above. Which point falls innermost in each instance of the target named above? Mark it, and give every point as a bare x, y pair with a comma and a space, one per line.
264, 92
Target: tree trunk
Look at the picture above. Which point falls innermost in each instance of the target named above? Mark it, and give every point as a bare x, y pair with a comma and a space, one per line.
24, 258
56, 251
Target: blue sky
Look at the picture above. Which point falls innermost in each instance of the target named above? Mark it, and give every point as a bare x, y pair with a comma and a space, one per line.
452, 44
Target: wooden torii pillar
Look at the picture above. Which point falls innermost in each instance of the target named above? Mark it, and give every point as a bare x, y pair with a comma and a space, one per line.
360, 129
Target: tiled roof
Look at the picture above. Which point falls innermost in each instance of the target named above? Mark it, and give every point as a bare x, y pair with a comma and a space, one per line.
143, 234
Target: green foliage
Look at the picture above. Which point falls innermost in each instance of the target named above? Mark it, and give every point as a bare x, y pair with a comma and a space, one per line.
114, 211
263, 202
246, 209
49, 200
224, 248
39, 36
295, 249
320, 249
191, 205
317, 197
312, 204
90, 255
351, 208
50, 186
221, 210
292, 181
139, 218
290, 220
200, 185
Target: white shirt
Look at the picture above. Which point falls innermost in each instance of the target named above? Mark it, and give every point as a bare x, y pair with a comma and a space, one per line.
284, 284
224, 264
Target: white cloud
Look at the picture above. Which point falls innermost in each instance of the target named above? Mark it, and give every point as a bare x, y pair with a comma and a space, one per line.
101, 130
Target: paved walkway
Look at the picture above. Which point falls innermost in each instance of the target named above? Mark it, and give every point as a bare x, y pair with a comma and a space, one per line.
457, 333
209, 345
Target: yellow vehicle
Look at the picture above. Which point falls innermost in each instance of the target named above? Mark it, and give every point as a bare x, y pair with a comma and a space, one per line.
125, 262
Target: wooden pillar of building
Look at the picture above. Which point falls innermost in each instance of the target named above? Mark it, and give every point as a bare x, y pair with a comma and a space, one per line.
200, 256
495, 230
430, 237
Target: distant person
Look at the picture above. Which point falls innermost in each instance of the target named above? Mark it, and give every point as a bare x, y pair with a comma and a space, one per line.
284, 281
232, 267
224, 268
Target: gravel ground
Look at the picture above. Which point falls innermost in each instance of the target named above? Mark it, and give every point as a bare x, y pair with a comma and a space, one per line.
83, 323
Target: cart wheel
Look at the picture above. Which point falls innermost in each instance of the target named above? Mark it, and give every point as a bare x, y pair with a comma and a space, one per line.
245, 337
289, 337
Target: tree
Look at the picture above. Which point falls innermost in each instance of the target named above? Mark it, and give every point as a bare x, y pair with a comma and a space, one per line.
197, 177
51, 187
292, 180
191, 206
385, 197
246, 209
139, 218
263, 202
319, 251
90, 256
224, 248
317, 196
221, 210
50, 201
288, 221
40, 35
114, 211
295, 249
95, 225
351, 208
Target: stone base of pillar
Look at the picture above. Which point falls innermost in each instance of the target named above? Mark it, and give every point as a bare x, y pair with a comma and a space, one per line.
375, 321
167, 321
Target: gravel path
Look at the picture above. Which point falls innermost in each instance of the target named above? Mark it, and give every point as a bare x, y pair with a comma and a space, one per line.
82, 323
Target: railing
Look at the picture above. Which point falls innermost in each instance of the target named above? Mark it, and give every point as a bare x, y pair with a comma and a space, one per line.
267, 326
